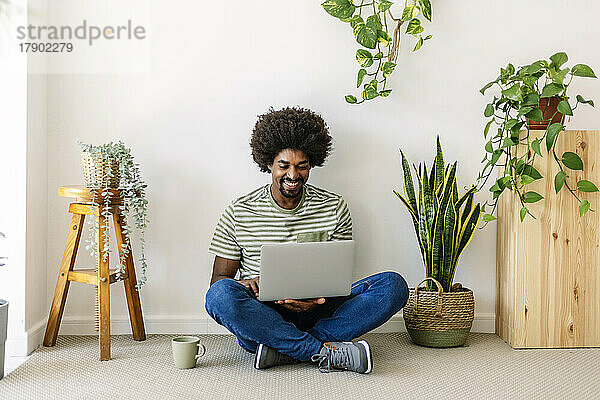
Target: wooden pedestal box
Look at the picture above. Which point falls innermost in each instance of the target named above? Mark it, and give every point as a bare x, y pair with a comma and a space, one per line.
548, 269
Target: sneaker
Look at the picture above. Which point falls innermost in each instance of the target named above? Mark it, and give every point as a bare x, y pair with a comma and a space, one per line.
267, 357
339, 356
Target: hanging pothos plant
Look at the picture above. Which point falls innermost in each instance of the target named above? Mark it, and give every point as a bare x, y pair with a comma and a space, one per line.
115, 158
522, 98
369, 23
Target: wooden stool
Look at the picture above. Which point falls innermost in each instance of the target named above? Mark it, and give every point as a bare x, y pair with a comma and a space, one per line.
101, 276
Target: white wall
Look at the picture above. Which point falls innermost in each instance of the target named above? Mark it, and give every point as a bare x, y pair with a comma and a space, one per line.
215, 66
13, 175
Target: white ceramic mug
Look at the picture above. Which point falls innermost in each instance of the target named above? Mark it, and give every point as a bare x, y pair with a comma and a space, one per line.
185, 351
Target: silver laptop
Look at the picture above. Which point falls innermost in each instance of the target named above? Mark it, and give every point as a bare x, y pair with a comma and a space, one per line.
306, 270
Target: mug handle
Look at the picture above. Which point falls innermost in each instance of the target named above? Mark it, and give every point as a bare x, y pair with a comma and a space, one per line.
201, 346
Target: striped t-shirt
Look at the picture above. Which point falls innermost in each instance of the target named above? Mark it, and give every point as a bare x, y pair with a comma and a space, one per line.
256, 219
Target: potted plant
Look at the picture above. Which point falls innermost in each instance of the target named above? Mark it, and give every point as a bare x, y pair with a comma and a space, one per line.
3, 321
534, 96
108, 169
444, 221
369, 24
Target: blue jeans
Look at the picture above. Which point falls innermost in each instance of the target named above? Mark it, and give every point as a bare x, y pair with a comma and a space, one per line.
372, 301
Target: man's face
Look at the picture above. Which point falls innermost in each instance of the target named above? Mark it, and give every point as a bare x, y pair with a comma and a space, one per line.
290, 171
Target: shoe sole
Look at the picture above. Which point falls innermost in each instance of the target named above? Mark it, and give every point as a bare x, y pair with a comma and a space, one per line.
258, 354
369, 365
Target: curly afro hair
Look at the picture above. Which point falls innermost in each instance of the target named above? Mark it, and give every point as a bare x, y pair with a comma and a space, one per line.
290, 128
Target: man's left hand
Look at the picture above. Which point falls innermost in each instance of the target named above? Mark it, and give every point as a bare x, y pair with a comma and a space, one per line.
300, 305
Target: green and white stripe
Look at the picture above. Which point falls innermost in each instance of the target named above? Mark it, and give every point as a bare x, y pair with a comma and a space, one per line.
255, 219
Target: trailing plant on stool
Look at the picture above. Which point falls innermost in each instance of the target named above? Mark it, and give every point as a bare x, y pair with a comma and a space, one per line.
444, 221
116, 159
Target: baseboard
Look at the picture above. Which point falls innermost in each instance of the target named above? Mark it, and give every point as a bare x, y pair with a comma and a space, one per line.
174, 324
27, 342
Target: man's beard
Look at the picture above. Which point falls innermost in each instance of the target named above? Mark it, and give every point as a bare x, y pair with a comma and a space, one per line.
290, 195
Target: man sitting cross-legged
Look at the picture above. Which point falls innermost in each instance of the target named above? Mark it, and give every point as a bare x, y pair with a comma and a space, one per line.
287, 144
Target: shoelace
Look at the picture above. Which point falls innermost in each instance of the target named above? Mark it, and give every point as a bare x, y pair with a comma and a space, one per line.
333, 360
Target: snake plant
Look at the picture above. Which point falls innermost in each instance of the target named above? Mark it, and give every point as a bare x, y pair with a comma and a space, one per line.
444, 220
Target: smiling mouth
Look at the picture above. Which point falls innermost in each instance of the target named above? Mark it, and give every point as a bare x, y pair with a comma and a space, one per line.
292, 185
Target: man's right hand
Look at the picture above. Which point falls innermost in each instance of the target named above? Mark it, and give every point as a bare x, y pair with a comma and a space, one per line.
251, 284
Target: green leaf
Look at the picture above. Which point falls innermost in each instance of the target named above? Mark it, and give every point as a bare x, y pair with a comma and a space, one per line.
513, 92
487, 128
487, 86
524, 110
361, 75
572, 161
383, 38
369, 93
489, 110
551, 133
535, 67
565, 108
551, 89
558, 59
488, 218
583, 70
410, 12
535, 145
582, 100
409, 187
586, 186
355, 20
507, 143
419, 44
414, 27
584, 207
339, 8
535, 114
364, 58
378, 56
559, 180
374, 21
385, 93
488, 147
531, 171
384, 5
558, 76
387, 68
467, 230
523, 213
426, 6
526, 179
532, 99
366, 35
511, 123
351, 99
428, 37
532, 197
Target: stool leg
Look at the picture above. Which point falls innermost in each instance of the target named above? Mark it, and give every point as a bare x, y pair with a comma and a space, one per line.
133, 298
103, 292
62, 285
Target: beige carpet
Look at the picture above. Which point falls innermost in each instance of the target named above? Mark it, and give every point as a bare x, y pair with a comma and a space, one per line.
486, 368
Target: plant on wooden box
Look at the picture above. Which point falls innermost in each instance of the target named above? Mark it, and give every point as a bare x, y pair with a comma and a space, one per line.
444, 222
107, 167
369, 24
531, 97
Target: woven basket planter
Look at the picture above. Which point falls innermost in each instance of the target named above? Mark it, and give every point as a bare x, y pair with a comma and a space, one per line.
94, 167
439, 319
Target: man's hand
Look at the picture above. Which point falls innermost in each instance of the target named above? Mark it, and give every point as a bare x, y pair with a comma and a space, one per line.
251, 284
300, 305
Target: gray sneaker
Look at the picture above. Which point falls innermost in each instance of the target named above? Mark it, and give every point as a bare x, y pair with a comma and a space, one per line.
267, 357
339, 356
